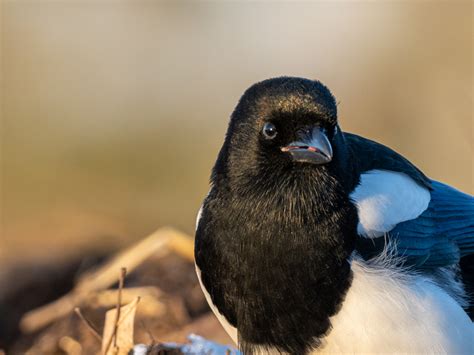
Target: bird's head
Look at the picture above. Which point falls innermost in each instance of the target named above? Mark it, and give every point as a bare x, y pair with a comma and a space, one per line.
283, 126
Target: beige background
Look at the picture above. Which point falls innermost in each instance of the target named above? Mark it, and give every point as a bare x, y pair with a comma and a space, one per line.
113, 112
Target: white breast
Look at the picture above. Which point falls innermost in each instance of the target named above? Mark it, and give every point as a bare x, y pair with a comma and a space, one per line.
386, 311
385, 198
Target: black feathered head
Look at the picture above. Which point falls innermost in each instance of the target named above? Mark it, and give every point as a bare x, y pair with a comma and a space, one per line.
284, 125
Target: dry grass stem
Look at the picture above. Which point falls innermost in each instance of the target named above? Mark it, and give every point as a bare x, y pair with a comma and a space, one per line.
88, 324
108, 298
113, 336
124, 331
159, 243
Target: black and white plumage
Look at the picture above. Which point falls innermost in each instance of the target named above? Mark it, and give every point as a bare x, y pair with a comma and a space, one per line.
316, 240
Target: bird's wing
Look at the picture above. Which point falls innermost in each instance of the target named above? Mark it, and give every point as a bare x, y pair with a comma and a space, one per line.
431, 223
442, 234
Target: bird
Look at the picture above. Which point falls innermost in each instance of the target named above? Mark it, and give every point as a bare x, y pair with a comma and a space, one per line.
315, 240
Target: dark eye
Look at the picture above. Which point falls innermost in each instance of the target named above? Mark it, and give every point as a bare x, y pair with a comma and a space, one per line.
269, 130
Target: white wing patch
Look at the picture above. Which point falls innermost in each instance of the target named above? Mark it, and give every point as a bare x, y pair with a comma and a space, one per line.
384, 199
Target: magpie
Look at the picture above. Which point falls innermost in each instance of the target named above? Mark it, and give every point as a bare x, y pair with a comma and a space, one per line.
313, 240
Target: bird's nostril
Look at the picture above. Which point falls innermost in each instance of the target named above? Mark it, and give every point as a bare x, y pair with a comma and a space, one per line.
304, 131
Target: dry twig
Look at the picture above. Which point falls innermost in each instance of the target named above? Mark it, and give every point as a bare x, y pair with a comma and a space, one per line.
108, 298
113, 336
88, 324
124, 333
158, 243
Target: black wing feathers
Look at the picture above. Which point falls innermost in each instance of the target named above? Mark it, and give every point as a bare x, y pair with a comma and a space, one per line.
369, 155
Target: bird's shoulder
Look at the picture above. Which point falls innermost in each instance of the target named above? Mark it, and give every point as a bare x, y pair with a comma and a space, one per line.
369, 155
390, 189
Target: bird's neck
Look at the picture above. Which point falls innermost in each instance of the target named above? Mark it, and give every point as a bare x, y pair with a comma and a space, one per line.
283, 260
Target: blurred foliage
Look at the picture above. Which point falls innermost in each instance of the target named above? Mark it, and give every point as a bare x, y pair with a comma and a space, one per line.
114, 111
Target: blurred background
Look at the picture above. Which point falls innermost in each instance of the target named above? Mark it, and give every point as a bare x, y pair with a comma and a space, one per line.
113, 111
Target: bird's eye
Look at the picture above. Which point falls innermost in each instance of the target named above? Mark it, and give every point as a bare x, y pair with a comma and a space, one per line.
269, 130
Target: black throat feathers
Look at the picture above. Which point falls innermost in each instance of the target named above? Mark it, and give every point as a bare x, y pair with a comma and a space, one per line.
273, 253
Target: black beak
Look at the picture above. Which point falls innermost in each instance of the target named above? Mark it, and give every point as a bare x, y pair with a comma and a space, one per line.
312, 146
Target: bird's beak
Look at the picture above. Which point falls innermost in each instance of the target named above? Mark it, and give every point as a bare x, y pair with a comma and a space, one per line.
312, 146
